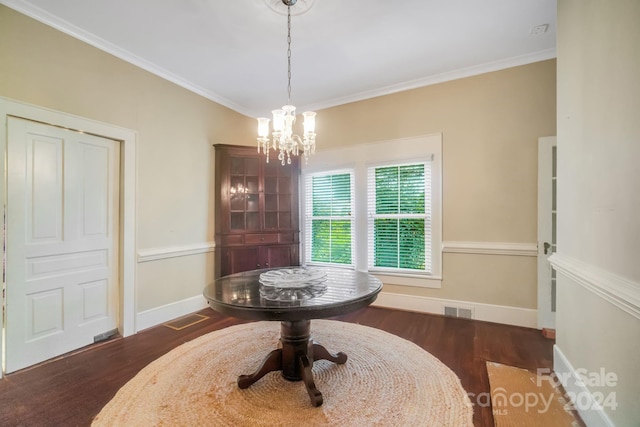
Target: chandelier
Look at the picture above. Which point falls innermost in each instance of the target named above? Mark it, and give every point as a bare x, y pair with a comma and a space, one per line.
283, 138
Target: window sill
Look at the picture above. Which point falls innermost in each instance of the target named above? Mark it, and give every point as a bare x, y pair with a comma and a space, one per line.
409, 280
388, 278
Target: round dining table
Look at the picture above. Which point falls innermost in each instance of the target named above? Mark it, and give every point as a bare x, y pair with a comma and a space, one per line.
293, 296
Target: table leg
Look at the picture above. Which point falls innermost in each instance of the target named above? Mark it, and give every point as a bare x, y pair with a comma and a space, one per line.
273, 362
307, 377
321, 353
294, 357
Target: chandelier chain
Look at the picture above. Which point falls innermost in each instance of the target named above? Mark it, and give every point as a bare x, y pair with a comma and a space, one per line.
285, 141
289, 53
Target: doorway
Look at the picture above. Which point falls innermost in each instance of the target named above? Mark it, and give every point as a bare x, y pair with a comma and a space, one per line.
123, 252
62, 241
547, 195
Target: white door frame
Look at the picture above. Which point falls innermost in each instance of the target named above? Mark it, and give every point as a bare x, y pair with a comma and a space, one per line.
127, 138
546, 318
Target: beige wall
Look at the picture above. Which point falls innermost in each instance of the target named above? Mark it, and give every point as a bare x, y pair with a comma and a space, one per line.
490, 125
599, 193
175, 130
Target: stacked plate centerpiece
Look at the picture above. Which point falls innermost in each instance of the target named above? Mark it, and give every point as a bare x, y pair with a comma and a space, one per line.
292, 284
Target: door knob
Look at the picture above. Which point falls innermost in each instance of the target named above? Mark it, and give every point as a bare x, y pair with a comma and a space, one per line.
546, 247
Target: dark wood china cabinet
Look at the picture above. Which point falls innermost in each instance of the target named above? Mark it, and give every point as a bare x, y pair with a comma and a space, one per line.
256, 210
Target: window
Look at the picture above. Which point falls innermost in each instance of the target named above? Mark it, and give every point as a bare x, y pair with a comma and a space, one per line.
377, 207
399, 212
329, 218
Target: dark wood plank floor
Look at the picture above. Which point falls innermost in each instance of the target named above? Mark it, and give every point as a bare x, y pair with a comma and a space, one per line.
71, 390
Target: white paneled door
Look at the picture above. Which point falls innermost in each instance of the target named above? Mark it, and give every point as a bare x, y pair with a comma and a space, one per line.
62, 241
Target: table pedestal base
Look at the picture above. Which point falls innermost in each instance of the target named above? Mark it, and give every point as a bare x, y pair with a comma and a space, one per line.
294, 357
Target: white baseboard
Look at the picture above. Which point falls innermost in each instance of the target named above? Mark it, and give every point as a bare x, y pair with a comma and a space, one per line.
165, 313
516, 316
590, 411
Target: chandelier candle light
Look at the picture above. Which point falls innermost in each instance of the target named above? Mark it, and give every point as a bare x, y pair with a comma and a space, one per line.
283, 138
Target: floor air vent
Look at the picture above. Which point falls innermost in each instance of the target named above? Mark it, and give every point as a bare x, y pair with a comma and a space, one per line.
465, 313
185, 321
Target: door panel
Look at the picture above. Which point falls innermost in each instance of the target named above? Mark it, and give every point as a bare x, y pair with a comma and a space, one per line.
277, 256
241, 259
44, 313
44, 188
62, 240
94, 197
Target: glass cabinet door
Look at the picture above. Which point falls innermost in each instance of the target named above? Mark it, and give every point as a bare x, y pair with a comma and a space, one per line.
244, 193
277, 197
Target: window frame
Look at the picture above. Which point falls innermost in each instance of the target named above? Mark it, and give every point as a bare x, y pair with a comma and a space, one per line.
308, 217
359, 157
371, 216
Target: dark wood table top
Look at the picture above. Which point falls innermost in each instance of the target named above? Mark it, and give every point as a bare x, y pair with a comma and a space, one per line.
242, 295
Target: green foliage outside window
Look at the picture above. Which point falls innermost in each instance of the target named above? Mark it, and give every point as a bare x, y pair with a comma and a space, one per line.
331, 235
399, 241
331, 241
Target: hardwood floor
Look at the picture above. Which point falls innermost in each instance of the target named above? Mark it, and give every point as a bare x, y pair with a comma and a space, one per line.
71, 390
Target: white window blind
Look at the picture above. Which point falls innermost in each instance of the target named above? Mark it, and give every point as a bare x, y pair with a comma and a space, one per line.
329, 218
399, 218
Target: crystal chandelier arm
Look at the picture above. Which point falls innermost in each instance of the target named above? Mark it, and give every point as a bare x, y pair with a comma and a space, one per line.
309, 122
263, 127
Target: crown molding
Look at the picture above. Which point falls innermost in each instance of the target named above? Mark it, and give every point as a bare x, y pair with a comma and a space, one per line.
66, 27
74, 31
475, 70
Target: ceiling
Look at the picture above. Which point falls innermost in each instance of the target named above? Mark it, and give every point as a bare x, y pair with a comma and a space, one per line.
234, 52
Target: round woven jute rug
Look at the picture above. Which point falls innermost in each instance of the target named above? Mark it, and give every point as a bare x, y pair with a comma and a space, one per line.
387, 381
